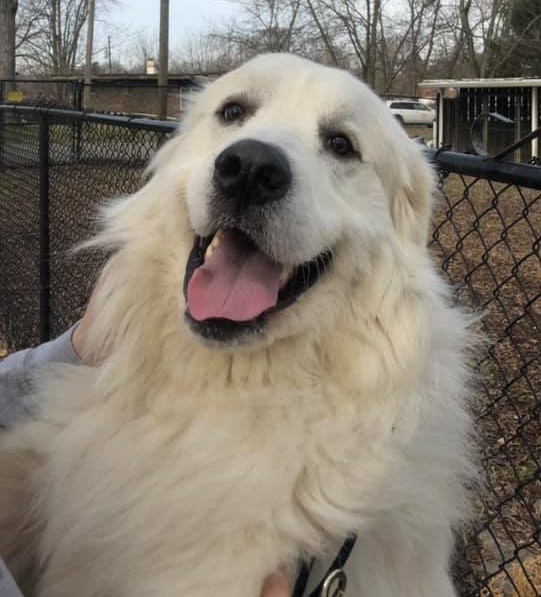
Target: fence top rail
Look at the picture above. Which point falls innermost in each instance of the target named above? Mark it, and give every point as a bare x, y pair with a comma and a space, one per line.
147, 124
524, 175
496, 170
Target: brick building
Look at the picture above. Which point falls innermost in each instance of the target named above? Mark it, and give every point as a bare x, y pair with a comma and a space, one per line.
133, 94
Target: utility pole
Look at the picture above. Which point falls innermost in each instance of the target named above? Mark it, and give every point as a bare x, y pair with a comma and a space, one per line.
163, 66
8, 9
89, 44
109, 53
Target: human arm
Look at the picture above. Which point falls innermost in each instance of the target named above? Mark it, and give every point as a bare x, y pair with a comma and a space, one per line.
16, 373
18, 369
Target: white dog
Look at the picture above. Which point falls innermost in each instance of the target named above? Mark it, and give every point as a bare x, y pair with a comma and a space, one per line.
280, 364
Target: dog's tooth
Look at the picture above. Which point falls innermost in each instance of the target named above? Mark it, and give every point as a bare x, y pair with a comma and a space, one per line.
213, 244
284, 276
217, 239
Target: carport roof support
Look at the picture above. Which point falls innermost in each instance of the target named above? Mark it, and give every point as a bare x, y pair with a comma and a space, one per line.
481, 83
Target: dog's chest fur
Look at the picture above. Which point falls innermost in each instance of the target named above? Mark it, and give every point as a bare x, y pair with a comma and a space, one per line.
261, 477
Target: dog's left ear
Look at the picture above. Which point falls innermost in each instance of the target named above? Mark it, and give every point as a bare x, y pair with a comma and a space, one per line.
410, 192
164, 154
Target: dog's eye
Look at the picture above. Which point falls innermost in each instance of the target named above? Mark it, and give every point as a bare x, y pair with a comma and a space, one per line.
340, 145
232, 112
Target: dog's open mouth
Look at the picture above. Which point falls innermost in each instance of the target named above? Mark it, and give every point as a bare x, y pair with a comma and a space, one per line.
231, 286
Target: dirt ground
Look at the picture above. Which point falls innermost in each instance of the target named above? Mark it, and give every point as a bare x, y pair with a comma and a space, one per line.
486, 236
76, 193
418, 131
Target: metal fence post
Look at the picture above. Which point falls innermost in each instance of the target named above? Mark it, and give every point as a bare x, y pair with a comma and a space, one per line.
2, 136
77, 136
77, 125
78, 88
44, 253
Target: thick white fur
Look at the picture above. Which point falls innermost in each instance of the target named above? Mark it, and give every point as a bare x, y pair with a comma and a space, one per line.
175, 468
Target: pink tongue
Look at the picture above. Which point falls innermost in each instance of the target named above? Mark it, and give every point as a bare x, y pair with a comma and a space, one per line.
237, 282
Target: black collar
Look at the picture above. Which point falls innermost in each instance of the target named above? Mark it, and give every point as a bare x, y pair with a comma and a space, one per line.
338, 563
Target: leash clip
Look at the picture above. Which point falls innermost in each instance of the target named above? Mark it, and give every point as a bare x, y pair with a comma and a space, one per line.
335, 584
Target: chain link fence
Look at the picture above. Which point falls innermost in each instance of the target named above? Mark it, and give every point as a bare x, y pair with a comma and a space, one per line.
487, 234
57, 167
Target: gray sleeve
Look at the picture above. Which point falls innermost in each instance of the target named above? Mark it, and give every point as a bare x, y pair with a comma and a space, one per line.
16, 373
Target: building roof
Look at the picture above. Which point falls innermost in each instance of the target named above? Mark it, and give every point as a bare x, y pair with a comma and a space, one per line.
136, 77
122, 78
482, 83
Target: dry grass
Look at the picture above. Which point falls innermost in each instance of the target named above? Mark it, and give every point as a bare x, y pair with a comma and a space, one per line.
519, 579
415, 130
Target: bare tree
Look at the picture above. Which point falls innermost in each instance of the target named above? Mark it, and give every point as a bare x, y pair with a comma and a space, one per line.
406, 44
526, 26
489, 36
29, 23
349, 30
322, 26
272, 24
391, 44
205, 53
262, 26
146, 46
50, 34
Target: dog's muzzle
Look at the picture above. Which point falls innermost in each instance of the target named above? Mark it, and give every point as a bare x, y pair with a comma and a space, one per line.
233, 283
251, 173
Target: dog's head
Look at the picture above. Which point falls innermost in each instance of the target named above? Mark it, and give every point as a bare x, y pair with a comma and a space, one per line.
289, 178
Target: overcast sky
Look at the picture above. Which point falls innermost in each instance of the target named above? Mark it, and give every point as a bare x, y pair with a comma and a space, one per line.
186, 16
127, 18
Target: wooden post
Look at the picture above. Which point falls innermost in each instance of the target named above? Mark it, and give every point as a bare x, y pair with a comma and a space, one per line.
535, 120
44, 244
484, 123
440, 118
163, 66
88, 58
517, 116
8, 10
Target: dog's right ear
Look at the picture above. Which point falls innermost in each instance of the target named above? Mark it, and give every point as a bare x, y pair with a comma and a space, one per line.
168, 149
409, 183
163, 155
411, 208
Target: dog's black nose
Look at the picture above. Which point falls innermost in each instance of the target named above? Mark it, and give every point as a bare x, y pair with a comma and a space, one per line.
250, 172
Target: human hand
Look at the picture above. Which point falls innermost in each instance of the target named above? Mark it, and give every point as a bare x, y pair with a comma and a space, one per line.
277, 585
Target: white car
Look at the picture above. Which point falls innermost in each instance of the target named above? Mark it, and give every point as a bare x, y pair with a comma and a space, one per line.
411, 112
